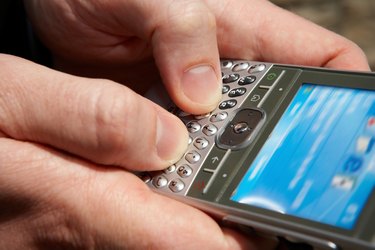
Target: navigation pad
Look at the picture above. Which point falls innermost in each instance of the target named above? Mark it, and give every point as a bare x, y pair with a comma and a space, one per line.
238, 132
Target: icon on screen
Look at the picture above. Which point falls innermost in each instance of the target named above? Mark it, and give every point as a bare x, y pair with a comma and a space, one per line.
343, 182
353, 164
364, 144
370, 126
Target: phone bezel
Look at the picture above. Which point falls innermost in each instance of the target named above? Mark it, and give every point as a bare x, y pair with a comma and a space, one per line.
361, 230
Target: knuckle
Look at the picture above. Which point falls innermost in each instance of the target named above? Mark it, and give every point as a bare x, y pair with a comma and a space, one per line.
115, 116
190, 17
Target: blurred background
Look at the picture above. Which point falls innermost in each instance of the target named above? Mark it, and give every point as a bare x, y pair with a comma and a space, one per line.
354, 19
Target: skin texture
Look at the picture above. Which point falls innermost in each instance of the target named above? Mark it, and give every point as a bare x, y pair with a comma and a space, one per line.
68, 138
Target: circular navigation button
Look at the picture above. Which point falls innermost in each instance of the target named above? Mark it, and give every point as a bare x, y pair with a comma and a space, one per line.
241, 127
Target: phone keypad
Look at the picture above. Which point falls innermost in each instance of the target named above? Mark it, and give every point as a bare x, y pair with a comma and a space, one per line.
240, 79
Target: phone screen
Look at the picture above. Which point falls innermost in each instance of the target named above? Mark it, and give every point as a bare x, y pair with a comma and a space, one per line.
319, 161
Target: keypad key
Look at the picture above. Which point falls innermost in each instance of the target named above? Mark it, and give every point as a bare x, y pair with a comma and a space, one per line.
230, 78
225, 89
228, 104
202, 116
226, 64
237, 92
247, 80
176, 185
178, 112
218, 117
209, 129
240, 66
160, 181
257, 68
193, 126
193, 157
184, 171
170, 169
190, 140
200, 143
145, 177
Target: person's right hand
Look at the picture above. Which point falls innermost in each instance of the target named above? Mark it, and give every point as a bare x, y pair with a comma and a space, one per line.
65, 145
121, 40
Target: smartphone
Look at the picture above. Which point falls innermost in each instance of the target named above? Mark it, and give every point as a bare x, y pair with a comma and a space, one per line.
289, 151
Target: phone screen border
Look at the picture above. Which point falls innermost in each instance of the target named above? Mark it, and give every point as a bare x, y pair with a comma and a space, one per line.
362, 228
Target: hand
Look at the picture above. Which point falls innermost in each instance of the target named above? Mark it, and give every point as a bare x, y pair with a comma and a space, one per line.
64, 144
120, 40
98, 37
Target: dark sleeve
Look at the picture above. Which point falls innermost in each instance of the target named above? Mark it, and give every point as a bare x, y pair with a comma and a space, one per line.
16, 36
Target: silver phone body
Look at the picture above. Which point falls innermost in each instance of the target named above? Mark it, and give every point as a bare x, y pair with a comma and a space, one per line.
227, 145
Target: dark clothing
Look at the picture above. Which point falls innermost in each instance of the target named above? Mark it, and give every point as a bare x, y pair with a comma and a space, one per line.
16, 36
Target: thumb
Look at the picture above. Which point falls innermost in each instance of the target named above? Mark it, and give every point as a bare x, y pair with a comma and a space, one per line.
185, 50
96, 119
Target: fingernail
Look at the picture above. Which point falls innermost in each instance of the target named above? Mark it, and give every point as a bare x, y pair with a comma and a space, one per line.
201, 85
171, 138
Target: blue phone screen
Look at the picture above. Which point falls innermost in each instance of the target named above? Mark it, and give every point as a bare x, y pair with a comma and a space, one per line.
319, 161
